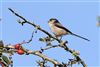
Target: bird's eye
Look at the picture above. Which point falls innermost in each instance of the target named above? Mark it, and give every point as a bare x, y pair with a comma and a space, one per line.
50, 20
56, 21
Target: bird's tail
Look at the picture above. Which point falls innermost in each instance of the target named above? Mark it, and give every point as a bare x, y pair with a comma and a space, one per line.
80, 37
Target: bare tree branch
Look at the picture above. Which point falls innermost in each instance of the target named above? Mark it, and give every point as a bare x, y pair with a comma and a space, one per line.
36, 26
45, 57
37, 53
62, 44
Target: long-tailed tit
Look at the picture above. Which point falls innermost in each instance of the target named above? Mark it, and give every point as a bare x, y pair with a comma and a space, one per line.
59, 30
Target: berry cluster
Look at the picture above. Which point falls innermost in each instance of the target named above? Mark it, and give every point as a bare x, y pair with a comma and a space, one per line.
19, 50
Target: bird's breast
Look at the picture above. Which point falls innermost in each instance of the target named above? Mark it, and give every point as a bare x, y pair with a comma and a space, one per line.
57, 31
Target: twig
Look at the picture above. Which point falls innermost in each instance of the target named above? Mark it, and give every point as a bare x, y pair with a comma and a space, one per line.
24, 42
48, 47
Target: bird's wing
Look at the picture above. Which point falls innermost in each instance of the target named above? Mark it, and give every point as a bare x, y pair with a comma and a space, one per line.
62, 27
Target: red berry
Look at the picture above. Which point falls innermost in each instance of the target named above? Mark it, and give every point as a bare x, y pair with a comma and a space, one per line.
17, 46
20, 52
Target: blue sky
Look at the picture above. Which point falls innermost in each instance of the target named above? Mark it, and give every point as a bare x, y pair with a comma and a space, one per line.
79, 17
52, 0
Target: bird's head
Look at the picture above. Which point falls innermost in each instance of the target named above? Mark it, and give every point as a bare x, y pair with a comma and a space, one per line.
53, 20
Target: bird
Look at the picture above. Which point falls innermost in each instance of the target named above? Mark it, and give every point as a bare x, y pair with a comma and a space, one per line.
59, 30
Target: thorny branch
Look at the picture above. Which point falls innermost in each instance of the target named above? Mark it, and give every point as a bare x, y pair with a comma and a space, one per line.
62, 44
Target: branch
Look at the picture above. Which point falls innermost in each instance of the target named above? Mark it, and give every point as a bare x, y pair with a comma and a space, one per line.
48, 47
61, 43
36, 26
37, 53
44, 57
75, 54
42, 63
